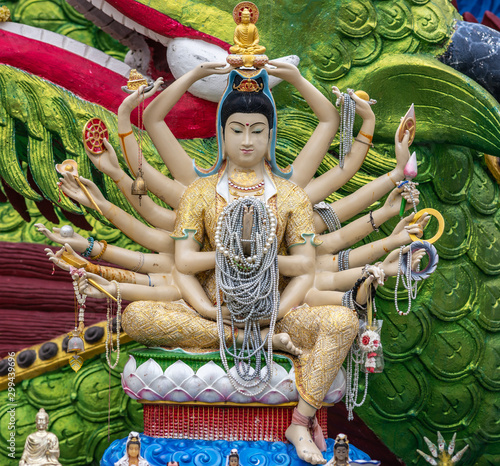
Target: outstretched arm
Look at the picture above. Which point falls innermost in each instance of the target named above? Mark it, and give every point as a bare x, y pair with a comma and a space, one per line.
329, 288
163, 291
157, 216
156, 240
320, 188
169, 191
131, 260
175, 157
370, 252
310, 157
355, 231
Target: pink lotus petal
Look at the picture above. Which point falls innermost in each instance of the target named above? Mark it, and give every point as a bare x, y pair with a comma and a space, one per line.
210, 373
149, 371
287, 387
194, 385
130, 393
130, 366
133, 382
334, 396
410, 171
179, 395
209, 395
148, 394
162, 385
273, 397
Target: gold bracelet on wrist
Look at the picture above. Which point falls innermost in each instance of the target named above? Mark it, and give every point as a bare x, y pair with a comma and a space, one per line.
104, 246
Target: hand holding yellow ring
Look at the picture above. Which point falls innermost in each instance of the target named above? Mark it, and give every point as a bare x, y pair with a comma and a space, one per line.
439, 218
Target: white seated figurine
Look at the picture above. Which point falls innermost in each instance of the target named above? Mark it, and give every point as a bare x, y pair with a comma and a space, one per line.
41, 447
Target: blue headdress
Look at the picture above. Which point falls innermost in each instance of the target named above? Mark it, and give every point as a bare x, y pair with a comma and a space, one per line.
239, 83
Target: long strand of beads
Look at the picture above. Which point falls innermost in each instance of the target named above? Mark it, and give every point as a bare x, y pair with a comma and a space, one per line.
109, 336
354, 361
80, 298
328, 215
347, 112
249, 286
406, 280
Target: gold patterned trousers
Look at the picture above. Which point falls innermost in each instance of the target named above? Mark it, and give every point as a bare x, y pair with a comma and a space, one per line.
324, 334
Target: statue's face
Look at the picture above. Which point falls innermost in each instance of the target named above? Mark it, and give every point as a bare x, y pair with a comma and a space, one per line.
246, 139
41, 422
245, 17
133, 450
341, 453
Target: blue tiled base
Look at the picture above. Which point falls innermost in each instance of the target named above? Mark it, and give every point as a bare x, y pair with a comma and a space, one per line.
158, 451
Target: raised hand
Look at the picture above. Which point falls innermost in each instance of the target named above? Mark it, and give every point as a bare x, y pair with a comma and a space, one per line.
208, 69
402, 152
76, 241
107, 162
71, 187
393, 201
283, 70
134, 99
403, 229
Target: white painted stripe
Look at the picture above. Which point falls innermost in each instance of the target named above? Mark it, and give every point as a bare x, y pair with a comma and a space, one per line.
68, 44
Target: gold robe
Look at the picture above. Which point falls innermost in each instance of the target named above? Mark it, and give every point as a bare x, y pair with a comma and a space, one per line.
323, 333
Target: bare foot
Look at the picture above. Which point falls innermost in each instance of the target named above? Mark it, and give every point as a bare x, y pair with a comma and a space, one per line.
282, 342
301, 439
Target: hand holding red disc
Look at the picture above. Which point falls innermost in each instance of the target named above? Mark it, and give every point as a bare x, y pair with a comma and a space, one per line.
94, 133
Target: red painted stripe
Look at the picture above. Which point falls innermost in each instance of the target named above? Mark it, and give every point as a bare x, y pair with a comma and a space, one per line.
160, 23
191, 117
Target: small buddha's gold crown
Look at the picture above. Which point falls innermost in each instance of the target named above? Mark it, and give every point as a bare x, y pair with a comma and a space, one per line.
248, 85
136, 80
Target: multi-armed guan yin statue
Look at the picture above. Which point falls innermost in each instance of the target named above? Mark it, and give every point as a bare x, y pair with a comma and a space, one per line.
250, 261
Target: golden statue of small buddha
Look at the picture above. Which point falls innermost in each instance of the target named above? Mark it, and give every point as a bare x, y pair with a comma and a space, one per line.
246, 37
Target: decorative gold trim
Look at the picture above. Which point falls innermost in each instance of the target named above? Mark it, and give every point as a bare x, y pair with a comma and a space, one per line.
291, 404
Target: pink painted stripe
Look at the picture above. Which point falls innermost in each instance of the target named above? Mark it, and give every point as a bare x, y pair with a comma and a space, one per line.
160, 23
98, 84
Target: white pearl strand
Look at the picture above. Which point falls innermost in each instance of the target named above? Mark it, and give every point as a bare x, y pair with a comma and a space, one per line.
354, 358
347, 112
109, 335
245, 286
407, 281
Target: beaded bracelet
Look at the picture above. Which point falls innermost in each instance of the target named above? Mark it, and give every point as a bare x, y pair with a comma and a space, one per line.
104, 245
356, 287
89, 248
373, 221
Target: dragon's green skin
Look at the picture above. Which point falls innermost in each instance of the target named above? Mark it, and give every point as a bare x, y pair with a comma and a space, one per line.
442, 361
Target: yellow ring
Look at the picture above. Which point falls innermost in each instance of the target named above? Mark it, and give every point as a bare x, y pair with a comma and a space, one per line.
439, 218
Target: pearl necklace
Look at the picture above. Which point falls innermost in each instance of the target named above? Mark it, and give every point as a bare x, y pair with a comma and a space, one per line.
245, 188
249, 286
109, 335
